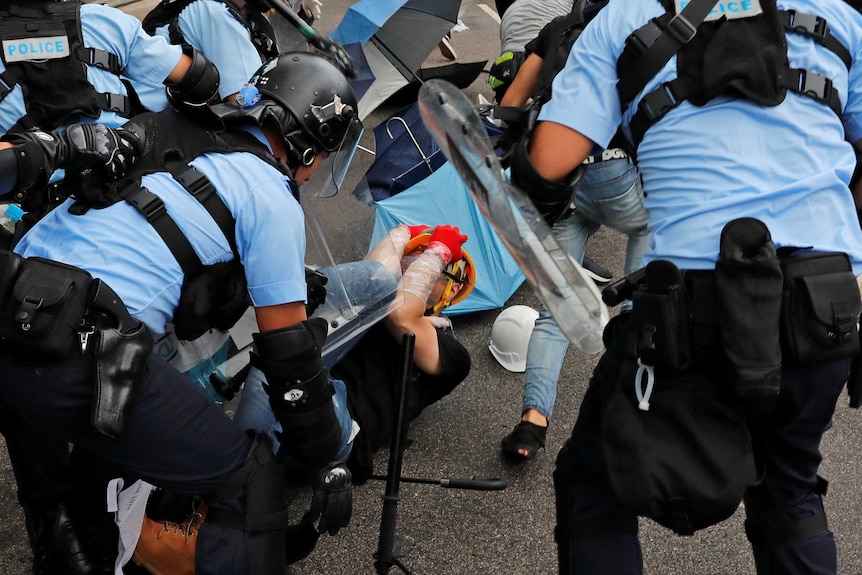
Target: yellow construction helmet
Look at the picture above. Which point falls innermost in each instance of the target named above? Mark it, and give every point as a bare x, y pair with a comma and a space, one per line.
462, 271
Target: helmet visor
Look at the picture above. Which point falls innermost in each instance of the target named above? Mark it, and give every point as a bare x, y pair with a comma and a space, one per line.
329, 176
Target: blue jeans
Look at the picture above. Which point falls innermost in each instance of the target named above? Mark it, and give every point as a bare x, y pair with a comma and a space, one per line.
370, 288
610, 194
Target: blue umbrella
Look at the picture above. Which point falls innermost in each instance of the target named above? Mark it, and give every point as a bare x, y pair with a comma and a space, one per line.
363, 19
396, 38
364, 76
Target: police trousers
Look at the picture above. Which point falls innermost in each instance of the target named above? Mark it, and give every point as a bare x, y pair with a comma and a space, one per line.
597, 535
177, 439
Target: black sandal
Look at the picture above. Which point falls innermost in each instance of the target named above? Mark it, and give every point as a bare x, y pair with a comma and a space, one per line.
524, 442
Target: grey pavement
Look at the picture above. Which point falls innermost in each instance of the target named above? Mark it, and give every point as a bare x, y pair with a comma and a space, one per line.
508, 532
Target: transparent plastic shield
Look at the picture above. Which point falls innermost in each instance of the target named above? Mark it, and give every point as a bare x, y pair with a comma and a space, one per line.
329, 176
358, 294
558, 280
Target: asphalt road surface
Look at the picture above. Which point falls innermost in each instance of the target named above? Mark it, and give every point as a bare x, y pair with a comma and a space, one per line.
455, 532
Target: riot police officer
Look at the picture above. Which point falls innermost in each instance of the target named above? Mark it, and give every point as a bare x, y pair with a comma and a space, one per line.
186, 238
750, 114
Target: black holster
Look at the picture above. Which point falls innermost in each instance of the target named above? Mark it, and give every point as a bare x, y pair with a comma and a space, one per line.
122, 349
121, 360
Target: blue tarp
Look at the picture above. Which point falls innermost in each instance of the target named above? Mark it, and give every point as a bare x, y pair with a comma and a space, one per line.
442, 198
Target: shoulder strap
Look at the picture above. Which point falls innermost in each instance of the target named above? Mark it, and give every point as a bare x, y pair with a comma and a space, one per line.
199, 186
816, 28
653, 46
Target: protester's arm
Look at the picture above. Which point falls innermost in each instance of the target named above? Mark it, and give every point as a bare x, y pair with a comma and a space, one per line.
417, 285
409, 317
524, 84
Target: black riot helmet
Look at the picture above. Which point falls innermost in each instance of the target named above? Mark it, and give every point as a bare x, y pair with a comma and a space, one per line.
320, 104
309, 100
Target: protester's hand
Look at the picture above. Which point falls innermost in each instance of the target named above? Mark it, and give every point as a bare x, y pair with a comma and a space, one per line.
312, 8
109, 151
449, 237
315, 283
416, 230
332, 502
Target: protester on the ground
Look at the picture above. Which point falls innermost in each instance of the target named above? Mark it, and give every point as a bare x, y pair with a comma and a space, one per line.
744, 133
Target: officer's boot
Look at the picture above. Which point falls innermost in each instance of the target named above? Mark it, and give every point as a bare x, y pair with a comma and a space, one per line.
57, 546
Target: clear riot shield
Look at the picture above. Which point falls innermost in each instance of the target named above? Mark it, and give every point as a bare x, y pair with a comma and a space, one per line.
358, 293
559, 281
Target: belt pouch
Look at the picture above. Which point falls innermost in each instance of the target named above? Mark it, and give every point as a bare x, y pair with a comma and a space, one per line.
660, 317
748, 283
821, 308
121, 360
44, 314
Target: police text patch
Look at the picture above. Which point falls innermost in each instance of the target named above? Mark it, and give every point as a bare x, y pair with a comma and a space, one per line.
731, 9
29, 49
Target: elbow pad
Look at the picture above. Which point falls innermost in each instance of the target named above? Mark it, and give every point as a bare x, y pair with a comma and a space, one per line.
551, 198
299, 390
199, 86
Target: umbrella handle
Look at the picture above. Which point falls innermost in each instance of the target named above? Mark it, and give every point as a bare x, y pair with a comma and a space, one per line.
333, 49
412, 138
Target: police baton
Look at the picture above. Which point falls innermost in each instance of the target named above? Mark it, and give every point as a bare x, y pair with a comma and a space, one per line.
329, 47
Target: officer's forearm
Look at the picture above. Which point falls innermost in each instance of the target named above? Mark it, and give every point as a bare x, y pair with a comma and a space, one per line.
545, 145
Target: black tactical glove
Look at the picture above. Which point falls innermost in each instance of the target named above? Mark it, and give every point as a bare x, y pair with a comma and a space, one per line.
332, 503
81, 147
552, 199
316, 285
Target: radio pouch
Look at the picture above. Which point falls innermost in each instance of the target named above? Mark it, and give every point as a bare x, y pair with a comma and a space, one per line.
820, 308
44, 314
660, 317
748, 284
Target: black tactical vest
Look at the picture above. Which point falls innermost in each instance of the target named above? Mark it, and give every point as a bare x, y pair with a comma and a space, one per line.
741, 58
216, 295
44, 53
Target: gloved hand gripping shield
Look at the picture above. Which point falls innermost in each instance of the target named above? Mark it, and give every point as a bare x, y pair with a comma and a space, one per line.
559, 281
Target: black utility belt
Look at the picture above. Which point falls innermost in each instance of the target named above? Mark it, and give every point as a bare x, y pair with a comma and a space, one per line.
607, 155
51, 311
689, 318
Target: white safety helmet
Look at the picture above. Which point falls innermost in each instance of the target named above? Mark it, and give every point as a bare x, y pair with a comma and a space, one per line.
510, 336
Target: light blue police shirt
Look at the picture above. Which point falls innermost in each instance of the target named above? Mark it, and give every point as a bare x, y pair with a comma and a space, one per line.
211, 29
118, 245
787, 165
141, 57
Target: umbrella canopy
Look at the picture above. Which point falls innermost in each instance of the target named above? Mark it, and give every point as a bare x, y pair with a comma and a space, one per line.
364, 76
396, 38
442, 198
405, 154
